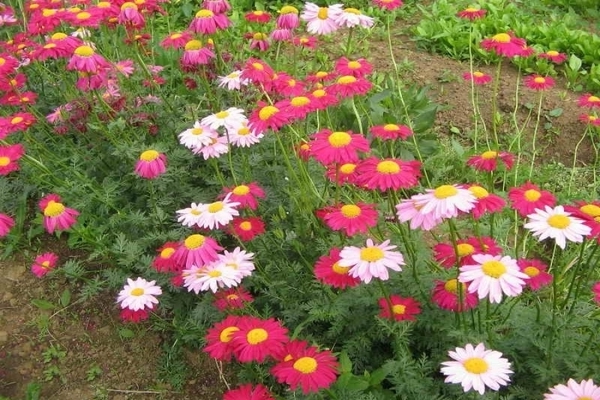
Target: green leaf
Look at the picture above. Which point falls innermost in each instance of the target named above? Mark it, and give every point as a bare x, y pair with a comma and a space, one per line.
557, 112
65, 298
458, 148
42, 304
574, 62
126, 333
346, 364
357, 384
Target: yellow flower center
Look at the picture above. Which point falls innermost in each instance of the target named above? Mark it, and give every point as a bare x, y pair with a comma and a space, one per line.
288, 10
338, 269
594, 99
354, 65
259, 36
53, 209
346, 80
84, 51
46, 264
232, 297
501, 38
215, 207
204, 14
16, 120
321, 74
258, 13
215, 273
197, 131
83, 15
4, 161
305, 365
445, 191
227, 334
194, 241
559, 221
50, 46
350, 211
195, 212
323, 13
48, 12
531, 271
300, 101
489, 155
319, 93
167, 253
352, 11
479, 192
176, 36
347, 169
388, 167
371, 254
390, 127
258, 66
58, 36
591, 209
478, 74
267, 112
339, 139
539, 79
465, 249
149, 155
222, 114
103, 4
471, 10
476, 365
129, 4
193, 45
137, 292
2, 61
245, 226
398, 309
256, 336
532, 195
493, 268
451, 286
552, 53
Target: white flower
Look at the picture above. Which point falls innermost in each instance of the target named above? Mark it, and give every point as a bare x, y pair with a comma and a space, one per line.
218, 214
371, 261
445, 201
321, 20
239, 260
189, 216
574, 391
233, 81
198, 136
557, 224
243, 136
231, 117
214, 276
351, 17
217, 147
139, 294
477, 368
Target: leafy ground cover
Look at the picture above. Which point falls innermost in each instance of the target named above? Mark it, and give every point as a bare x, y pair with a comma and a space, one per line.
66, 335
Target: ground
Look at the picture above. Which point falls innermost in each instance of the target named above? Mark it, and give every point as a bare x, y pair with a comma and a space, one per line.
82, 351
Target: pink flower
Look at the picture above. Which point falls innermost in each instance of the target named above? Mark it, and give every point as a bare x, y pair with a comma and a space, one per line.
352, 218
554, 56
43, 264
288, 18
321, 20
388, 4
151, 164
207, 22
446, 296
130, 16
537, 82
488, 160
504, 44
471, 13
588, 100
196, 54
6, 224
9, 157
56, 215
390, 173
329, 147
478, 78
536, 271
596, 290
85, 59
371, 261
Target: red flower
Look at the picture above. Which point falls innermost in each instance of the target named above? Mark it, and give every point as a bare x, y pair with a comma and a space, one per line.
342, 173
504, 44
537, 82
43, 264
329, 147
445, 255
446, 296
85, 59
399, 308
165, 261
388, 4
257, 71
590, 120
303, 150
219, 338
478, 78
526, 198
389, 173
247, 194
329, 272
310, 369
128, 315
486, 202
589, 212
310, 42
8, 64
176, 40
285, 85
248, 392
596, 290
391, 131
323, 98
352, 218
554, 56
207, 22
232, 298
488, 160
356, 68
297, 107
56, 215
9, 157
6, 224
258, 16
258, 339
536, 271
348, 86
247, 228
471, 13
588, 100
267, 117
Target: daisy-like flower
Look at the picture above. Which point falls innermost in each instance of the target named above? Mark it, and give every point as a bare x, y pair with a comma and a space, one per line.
323, 98
477, 368
329, 271
139, 294
233, 81
411, 210
247, 228
230, 118
215, 149
247, 194
342, 173
351, 17
478, 78
554, 56
557, 224
486, 202
151, 164
298, 107
9, 157
471, 13
130, 16
488, 160
258, 16
348, 86
388, 4
399, 308
248, 392
445, 201
198, 136
591, 120
218, 214
43, 264
390, 173
589, 212
242, 136
207, 22
307, 368
493, 276
372, 261
352, 218
538, 82
447, 297
267, 117
258, 339
504, 44
536, 271
257, 71
596, 292
445, 254
321, 20
85, 59
329, 147
56, 215
165, 261
281, 35
391, 131
259, 41
218, 338
232, 299
288, 18
573, 390
197, 249
217, 6
210, 277
528, 197
589, 101
6, 224
195, 53
176, 40
238, 259
190, 216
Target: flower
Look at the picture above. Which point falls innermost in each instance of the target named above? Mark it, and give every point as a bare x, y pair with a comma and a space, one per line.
257, 71
488, 160
208, 22
9, 157
504, 44
329, 147
218, 338
176, 40
391, 131
538, 82
584, 390
212, 276
198, 136
217, 6
589, 212
56, 215
389, 173
258, 16
536, 271
557, 224
288, 18
195, 53
229, 118
527, 198
308, 368
348, 86
297, 107
352, 218
259, 41
231, 299
248, 392
410, 210
197, 249
554, 56
247, 228
445, 201
247, 194
217, 214
189, 216
399, 308
447, 297
267, 117
165, 261
371, 261
492, 276
486, 201
321, 20
589, 101
596, 291
139, 294
591, 120
445, 254
233, 81
239, 260
151, 164
43, 264
130, 16
477, 368
6, 224
329, 271
85, 59
359, 67
478, 78
342, 173
471, 13
258, 339
351, 17
218, 146
388, 4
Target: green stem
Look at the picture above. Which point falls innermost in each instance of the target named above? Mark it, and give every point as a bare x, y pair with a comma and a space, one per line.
535, 131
